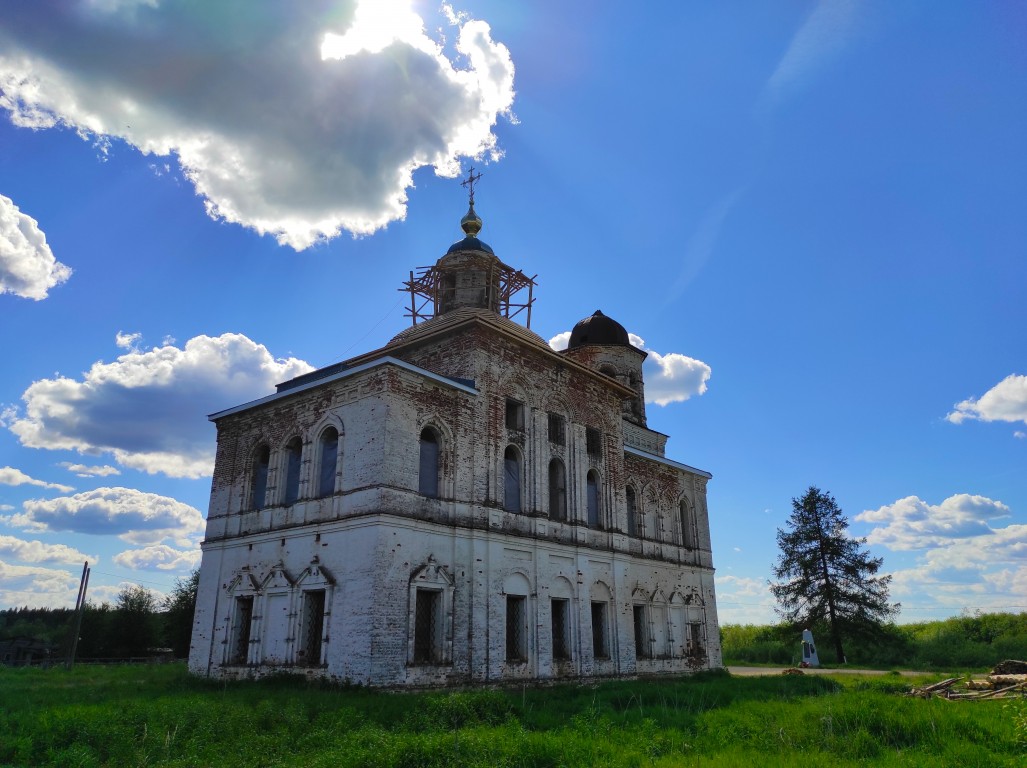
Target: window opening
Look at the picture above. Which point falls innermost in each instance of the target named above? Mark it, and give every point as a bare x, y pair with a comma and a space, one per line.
592, 499
557, 429
293, 454
641, 639
427, 626
329, 460
695, 641
658, 616
447, 291
687, 526
600, 645
313, 627
560, 624
260, 466
241, 630
511, 480
516, 629
557, 490
632, 512
514, 414
428, 479
593, 442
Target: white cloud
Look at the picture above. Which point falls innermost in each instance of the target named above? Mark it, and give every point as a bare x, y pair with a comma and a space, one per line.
159, 557
13, 548
744, 600
942, 590
560, 341
148, 409
27, 265
1020, 435
82, 470
127, 340
1006, 401
298, 124
964, 560
701, 244
670, 378
35, 586
12, 476
911, 523
134, 516
822, 38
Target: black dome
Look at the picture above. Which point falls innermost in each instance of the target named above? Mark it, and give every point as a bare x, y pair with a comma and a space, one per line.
470, 243
598, 329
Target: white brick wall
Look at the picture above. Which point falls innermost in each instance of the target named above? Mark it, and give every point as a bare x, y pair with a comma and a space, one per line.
376, 531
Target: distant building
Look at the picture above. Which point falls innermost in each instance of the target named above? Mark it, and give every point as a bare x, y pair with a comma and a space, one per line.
462, 505
23, 651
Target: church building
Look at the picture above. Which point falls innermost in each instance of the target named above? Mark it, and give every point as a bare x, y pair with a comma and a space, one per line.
464, 505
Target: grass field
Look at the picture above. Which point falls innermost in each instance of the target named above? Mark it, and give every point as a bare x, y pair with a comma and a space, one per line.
159, 716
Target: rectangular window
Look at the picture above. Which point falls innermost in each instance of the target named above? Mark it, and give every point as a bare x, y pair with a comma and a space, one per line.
695, 640
329, 457
514, 414
511, 481
641, 635
592, 500
293, 459
600, 645
658, 624
557, 429
516, 628
632, 512
427, 626
312, 630
593, 442
241, 630
428, 475
560, 621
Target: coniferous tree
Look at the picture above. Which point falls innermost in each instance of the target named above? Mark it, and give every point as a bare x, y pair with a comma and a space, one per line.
825, 578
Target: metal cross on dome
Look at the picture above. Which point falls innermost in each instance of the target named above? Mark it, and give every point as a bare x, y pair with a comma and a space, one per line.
469, 182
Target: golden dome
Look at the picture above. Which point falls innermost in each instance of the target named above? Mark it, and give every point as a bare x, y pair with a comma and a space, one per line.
471, 223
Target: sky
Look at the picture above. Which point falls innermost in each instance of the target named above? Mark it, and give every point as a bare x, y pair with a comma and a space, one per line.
810, 214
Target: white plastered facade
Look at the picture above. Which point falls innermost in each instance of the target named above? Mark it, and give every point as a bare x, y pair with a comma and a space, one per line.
373, 577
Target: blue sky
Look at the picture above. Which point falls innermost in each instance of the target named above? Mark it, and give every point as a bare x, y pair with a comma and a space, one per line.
811, 212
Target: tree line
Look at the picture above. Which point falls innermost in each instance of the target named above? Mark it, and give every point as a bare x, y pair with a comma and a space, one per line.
978, 640
136, 624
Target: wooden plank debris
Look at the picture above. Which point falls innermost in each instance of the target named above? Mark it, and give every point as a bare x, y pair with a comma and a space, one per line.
973, 690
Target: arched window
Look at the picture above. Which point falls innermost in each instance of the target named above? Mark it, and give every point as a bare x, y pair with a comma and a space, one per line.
687, 525
651, 517
592, 498
511, 480
329, 453
259, 486
557, 490
428, 476
632, 512
293, 454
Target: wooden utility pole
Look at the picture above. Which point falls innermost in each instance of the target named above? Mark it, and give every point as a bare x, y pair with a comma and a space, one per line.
80, 606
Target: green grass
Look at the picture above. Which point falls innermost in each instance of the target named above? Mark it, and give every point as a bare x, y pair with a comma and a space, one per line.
977, 641
159, 716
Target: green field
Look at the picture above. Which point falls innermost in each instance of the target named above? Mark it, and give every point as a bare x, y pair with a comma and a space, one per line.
159, 716
973, 641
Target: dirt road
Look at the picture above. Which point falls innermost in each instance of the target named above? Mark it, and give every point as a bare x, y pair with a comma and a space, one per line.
755, 671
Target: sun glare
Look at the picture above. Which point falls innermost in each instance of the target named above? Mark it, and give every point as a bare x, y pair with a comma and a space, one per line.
378, 24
